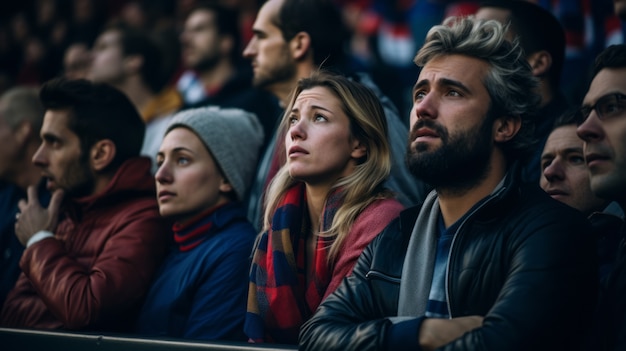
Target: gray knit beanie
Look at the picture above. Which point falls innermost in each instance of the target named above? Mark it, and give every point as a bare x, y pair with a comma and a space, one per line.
233, 136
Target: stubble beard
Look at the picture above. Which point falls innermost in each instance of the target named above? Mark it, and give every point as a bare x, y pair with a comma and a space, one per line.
79, 180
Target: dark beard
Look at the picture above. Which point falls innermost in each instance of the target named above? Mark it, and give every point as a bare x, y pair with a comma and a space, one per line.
282, 71
207, 63
459, 164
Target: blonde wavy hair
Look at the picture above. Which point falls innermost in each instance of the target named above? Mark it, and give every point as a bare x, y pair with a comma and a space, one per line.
365, 184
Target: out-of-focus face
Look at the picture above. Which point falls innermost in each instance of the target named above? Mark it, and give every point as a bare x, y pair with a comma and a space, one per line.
107, 64
451, 140
76, 61
320, 147
9, 146
271, 58
60, 157
188, 180
605, 140
201, 41
495, 13
565, 175
620, 9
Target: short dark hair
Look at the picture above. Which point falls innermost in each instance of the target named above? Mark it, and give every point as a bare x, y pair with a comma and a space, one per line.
97, 111
322, 20
227, 23
137, 42
571, 116
538, 29
613, 56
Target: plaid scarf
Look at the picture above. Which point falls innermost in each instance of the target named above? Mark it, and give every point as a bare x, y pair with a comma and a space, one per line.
283, 292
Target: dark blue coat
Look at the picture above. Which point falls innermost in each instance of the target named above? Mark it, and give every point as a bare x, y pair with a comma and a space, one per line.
201, 293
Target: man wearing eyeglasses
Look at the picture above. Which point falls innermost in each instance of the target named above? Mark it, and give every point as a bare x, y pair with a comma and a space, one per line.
603, 129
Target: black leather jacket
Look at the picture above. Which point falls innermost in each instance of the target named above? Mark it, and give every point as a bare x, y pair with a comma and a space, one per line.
522, 260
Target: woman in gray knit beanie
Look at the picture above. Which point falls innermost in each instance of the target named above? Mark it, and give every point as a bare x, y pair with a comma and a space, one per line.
205, 165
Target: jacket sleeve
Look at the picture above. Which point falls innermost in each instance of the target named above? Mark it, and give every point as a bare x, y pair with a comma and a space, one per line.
115, 281
548, 294
347, 320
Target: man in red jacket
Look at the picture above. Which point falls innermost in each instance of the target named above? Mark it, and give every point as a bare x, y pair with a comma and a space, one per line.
90, 256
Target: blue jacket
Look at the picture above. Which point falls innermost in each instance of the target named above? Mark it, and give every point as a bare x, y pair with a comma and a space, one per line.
201, 293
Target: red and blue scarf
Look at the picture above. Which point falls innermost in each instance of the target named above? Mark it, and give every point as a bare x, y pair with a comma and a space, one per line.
193, 232
283, 292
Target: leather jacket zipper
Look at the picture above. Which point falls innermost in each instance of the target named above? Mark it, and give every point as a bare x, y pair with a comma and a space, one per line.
491, 198
383, 276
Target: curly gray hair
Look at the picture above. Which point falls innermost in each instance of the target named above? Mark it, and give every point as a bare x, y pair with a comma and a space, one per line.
509, 81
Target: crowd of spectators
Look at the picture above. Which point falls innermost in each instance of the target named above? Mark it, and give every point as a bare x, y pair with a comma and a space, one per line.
35, 35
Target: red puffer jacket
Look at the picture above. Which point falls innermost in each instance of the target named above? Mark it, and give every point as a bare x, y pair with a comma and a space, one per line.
95, 271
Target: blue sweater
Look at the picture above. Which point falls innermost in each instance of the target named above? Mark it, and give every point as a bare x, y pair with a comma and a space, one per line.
201, 293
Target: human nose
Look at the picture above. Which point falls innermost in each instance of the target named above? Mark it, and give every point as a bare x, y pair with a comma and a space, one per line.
39, 158
423, 108
297, 130
163, 174
591, 129
250, 50
554, 171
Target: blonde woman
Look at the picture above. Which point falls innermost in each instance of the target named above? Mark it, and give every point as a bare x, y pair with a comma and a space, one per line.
324, 205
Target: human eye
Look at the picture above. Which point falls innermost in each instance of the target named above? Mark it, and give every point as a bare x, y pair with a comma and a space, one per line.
182, 160
159, 161
419, 95
454, 93
319, 118
291, 120
611, 106
52, 141
577, 159
545, 163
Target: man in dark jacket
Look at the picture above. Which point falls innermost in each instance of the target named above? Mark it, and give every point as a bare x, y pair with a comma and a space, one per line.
603, 129
91, 254
484, 263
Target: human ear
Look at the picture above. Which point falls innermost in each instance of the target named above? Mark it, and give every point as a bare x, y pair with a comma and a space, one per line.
359, 149
505, 128
225, 186
300, 45
23, 132
134, 63
540, 63
102, 154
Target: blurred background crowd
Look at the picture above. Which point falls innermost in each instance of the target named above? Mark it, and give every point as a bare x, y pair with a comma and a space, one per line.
42, 39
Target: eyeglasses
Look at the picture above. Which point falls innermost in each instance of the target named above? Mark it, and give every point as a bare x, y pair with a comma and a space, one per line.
606, 107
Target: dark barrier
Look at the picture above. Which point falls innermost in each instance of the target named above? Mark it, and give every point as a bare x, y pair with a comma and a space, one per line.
36, 340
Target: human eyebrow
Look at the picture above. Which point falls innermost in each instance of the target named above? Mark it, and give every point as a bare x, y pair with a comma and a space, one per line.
50, 138
418, 85
547, 156
454, 83
258, 32
572, 150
